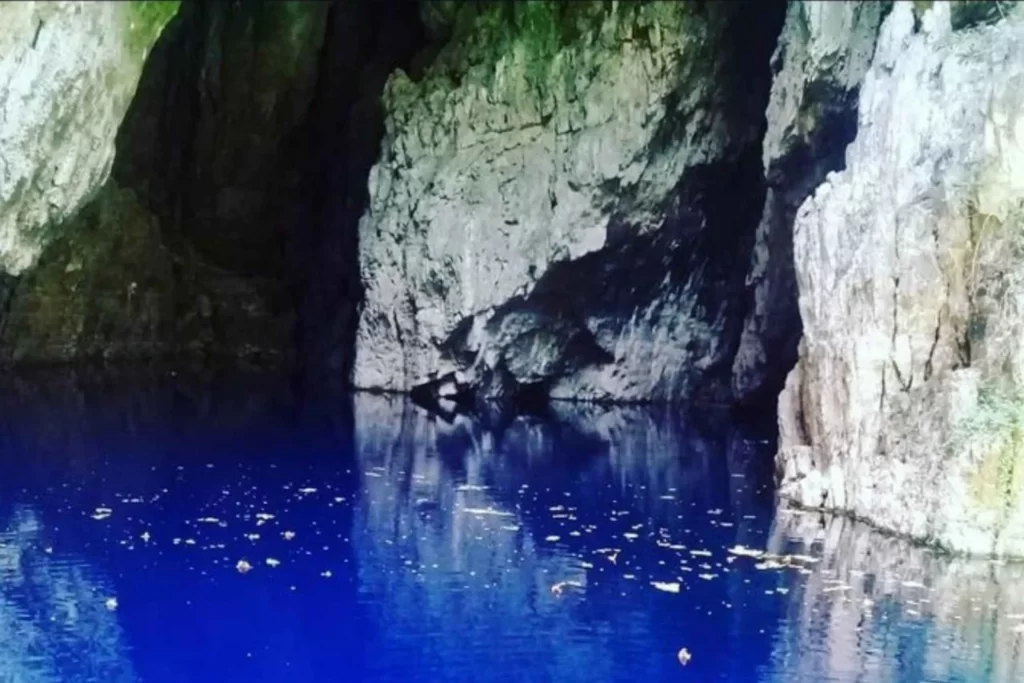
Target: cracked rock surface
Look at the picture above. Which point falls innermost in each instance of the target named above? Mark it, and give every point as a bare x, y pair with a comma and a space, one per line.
542, 134
906, 405
822, 55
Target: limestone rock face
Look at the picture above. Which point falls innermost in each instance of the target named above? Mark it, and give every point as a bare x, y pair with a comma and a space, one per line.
545, 146
906, 405
67, 73
823, 53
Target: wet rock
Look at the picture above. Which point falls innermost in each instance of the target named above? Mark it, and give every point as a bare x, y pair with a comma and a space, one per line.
905, 406
67, 73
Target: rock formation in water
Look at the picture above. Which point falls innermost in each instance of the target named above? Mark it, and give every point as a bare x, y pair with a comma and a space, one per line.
567, 198
906, 407
68, 71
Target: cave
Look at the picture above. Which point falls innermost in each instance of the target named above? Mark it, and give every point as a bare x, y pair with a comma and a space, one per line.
242, 167
465, 340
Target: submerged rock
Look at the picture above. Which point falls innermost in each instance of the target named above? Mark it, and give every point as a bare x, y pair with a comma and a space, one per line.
907, 405
67, 73
546, 145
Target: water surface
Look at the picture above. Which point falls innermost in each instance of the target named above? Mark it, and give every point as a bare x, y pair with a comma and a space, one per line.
182, 528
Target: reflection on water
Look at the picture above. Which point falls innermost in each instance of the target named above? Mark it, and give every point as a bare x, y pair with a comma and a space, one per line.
882, 609
54, 620
588, 545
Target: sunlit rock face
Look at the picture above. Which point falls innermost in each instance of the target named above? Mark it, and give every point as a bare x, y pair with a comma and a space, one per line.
587, 163
67, 73
905, 407
870, 595
823, 53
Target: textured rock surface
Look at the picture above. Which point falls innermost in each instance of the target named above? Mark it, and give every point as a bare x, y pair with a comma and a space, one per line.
542, 134
109, 287
228, 226
823, 53
67, 73
214, 140
183, 249
906, 405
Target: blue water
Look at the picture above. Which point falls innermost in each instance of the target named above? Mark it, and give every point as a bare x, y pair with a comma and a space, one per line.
182, 528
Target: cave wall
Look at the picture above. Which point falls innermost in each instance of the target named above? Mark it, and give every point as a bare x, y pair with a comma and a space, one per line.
240, 170
180, 252
905, 406
551, 158
67, 73
821, 58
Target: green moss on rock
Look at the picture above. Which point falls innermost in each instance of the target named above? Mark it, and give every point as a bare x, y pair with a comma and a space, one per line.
146, 19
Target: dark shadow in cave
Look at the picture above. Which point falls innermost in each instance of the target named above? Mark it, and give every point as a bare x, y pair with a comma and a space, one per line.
251, 137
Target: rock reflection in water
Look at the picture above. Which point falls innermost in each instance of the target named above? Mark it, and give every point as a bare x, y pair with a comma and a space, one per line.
881, 609
542, 538
54, 623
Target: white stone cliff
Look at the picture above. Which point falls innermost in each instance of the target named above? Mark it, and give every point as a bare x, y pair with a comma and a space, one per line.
906, 407
68, 71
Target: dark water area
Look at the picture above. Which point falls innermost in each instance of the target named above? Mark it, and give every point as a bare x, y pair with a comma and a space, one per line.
227, 528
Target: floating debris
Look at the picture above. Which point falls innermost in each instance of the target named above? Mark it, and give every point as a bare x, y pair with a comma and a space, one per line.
558, 588
683, 656
253, 537
145, 536
272, 562
552, 539
744, 551
243, 567
307, 490
101, 513
208, 520
832, 589
110, 604
488, 511
629, 536
326, 574
667, 586
288, 535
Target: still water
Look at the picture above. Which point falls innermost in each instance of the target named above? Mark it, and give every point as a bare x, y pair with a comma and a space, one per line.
217, 529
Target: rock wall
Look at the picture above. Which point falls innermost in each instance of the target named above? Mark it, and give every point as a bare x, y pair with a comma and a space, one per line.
239, 176
906, 405
67, 73
823, 53
551, 158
